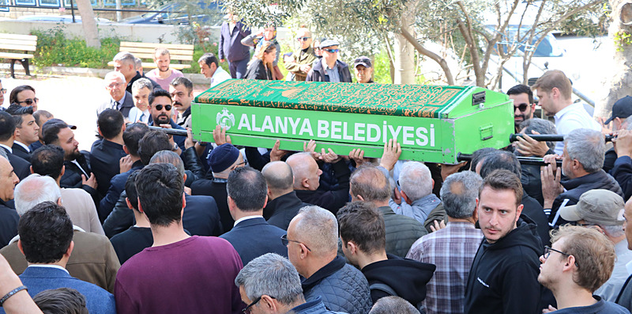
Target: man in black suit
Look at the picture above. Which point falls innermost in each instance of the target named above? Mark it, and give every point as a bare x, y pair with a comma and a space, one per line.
26, 130
125, 63
7, 137
251, 236
119, 99
78, 172
223, 159
106, 154
283, 204
8, 216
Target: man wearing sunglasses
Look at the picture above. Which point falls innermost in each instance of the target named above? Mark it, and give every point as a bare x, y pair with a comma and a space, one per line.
524, 106
603, 210
579, 261
160, 108
329, 68
301, 61
24, 95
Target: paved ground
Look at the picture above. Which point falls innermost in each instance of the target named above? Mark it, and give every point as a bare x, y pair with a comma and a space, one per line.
72, 99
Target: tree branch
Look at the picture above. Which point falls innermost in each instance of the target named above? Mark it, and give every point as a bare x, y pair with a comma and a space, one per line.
419, 47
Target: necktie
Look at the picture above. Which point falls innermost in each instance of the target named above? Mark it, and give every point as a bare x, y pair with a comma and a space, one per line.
142, 116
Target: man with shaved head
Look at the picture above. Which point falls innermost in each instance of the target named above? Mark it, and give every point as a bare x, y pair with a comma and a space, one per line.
283, 204
371, 185
307, 180
312, 245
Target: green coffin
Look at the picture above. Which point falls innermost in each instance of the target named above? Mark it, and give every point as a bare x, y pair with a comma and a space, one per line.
432, 123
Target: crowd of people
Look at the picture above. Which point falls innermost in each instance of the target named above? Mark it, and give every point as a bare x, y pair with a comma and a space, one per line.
153, 223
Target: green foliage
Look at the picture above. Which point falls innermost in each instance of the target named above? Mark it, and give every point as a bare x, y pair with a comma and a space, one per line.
55, 49
622, 39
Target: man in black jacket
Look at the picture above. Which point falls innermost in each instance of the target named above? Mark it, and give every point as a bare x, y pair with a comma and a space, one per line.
503, 277
26, 130
7, 136
582, 160
329, 68
363, 237
78, 172
106, 153
8, 216
283, 204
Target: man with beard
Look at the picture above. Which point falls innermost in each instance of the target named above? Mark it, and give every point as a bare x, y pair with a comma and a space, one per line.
181, 90
162, 74
78, 173
160, 106
524, 106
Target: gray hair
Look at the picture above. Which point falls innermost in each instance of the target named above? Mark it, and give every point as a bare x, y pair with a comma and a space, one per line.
459, 193
114, 74
138, 63
393, 304
614, 230
125, 57
33, 190
141, 83
626, 123
168, 157
415, 180
318, 229
539, 125
272, 275
588, 147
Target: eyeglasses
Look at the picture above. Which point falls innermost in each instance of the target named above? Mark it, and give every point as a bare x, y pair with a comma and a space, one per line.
302, 38
522, 107
3, 90
247, 309
286, 241
114, 85
331, 50
29, 101
548, 249
159, 107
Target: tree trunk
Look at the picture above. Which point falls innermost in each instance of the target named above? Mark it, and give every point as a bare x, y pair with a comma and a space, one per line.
422, 50
404, 57
620, 84
89, 23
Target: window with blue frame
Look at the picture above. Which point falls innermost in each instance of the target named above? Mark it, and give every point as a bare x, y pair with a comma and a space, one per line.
4, 2
25, 2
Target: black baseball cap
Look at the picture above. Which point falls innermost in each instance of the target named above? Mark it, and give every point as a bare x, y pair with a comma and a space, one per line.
621, 109
365, 61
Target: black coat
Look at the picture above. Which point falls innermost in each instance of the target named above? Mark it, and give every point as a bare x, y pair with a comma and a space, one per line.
104, 160
217, 190
72, 176
282, 209
622, 172
135, 78
21, 167
115, 187
535, 212
258, 71
21, 152
254, 237
8, 223
318, 74
331, 200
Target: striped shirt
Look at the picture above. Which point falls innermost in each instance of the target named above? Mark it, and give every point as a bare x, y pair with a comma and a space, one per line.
452, 249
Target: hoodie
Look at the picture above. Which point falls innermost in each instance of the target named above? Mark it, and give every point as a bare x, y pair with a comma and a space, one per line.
407, 277
504, 274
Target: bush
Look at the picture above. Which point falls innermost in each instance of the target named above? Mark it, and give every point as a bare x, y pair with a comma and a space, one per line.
55, 49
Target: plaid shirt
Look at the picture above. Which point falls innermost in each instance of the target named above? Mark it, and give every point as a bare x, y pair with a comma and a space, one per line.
452, 249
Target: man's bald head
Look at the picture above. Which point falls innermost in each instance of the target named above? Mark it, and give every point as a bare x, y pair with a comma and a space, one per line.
306, 171
279, 177
370, 184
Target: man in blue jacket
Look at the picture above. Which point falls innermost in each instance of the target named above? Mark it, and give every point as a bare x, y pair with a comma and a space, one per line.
329, 68
230, 47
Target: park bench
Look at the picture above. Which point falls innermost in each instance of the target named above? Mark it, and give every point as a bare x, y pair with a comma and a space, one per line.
145, 51
17, 48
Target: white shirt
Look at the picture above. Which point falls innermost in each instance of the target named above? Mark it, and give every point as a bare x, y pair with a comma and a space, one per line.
570, 118
135, 115
219, 76
7, 147
246, 218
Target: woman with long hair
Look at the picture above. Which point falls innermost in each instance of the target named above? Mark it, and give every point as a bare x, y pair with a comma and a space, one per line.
261, 66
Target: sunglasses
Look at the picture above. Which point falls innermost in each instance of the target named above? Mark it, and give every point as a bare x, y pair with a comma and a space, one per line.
522, 107
29, 101
332, 50
303, 38
159, 107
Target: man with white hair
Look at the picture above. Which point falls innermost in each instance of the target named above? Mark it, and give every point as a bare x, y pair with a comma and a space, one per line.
301, 61
270, 284
582, 160
416, 185
93, 260
312, 246
119, 99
